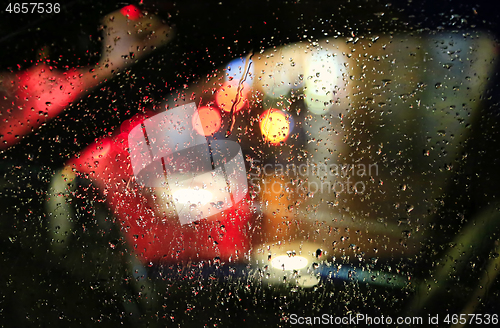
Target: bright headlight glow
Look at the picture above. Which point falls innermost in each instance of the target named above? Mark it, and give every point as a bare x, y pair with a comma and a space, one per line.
192, 196
285, 262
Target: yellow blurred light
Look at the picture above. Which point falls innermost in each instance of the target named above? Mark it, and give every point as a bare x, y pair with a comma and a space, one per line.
275, 126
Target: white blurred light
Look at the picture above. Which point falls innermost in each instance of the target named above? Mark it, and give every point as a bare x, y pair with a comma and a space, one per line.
323, 81
285, 262
192, 196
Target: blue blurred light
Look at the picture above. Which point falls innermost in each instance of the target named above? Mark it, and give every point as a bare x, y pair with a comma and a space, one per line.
236, 70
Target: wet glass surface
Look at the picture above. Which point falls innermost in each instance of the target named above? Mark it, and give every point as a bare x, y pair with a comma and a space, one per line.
249, 163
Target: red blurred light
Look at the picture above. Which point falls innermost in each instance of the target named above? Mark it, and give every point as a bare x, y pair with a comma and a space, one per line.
152, 235
41, 94
207, 120
131, 11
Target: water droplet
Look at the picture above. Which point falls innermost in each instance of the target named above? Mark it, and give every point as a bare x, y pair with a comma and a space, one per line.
385, 82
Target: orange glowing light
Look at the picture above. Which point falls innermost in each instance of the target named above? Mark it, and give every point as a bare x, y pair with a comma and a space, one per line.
275, 126
226, 95
207, 120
